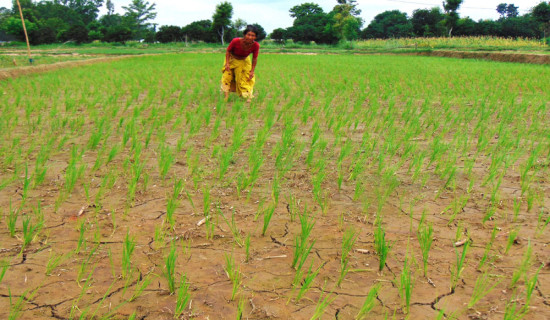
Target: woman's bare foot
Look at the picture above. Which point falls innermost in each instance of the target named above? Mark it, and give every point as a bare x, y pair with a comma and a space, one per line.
226, 96
248, 100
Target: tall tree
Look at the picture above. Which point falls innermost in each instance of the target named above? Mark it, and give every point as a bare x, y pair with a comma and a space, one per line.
221, 20
501, 9
451, 7
347, 23
428, 23
541, 13
139, 12
389, 24
305, 9
110, 7
86, 9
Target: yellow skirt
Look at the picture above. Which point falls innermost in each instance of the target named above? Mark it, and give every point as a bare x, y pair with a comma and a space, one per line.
237, 78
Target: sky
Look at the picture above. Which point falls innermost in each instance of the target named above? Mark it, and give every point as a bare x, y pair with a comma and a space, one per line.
271, 14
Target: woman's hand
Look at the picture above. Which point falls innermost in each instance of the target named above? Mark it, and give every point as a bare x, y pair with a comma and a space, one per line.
227, 68
251, 75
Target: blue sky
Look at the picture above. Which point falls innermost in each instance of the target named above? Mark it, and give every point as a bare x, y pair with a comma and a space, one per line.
273, 14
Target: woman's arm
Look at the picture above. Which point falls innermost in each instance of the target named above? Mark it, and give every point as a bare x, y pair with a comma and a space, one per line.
254, 61
227, 59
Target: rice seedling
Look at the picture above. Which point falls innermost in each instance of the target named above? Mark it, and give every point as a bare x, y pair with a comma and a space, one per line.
350, 236
182, 297
512, 236
488, 248
170, 268
128, 247
140, 287
369, 303
30, 230
165, 161
482, 287
233, 273
301, 248
324, 301
12, 220
16, 307
542, 223
81, 244
268, 214
523, 267
307, 281
4, 268
240, 308
380, 245
406, 284
456, 273
55, 260
425, 239
233, 227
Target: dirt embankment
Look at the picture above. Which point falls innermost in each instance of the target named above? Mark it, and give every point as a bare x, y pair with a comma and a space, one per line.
16, 72
494, 56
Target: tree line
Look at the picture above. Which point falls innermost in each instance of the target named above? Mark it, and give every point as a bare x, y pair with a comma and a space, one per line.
79, 21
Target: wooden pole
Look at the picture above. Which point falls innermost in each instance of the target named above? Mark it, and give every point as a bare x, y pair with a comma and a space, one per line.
25, 31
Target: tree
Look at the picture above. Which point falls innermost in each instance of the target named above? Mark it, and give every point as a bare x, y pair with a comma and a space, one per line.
347, 23
199, 31
541, 13
221, 20
311, 23
77, 33
305, 9
428, 23
87, 10
170, 34
501, 9
389, 24
139, 12
507, 10
278, 35
451, 7
110, 7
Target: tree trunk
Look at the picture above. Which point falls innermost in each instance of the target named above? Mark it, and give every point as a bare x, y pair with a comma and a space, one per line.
222, 34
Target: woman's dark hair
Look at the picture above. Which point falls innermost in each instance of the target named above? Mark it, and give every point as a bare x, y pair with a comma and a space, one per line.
250, 28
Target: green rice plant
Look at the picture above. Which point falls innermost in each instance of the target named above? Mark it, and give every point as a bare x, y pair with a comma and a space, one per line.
240, 308
301, 248
113, 153
182, 297
324, 301
512, 312
233, 273
12, 220
425, 239
542, 223
512, 236
173, 202
523, 267
140, 287
30, 230
456, 273
488, 248
350, 236
4, 268
233, 227
16, 308
369, 303
380, 245
406, 284
247, 248
55, 261
482, 287
128, 247
165, 160
81, 244
307, 281
517, 205
158, 239
170, 268
530, 284
292, 206
268, 213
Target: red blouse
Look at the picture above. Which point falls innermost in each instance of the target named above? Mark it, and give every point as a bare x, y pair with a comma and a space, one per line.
236, 48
